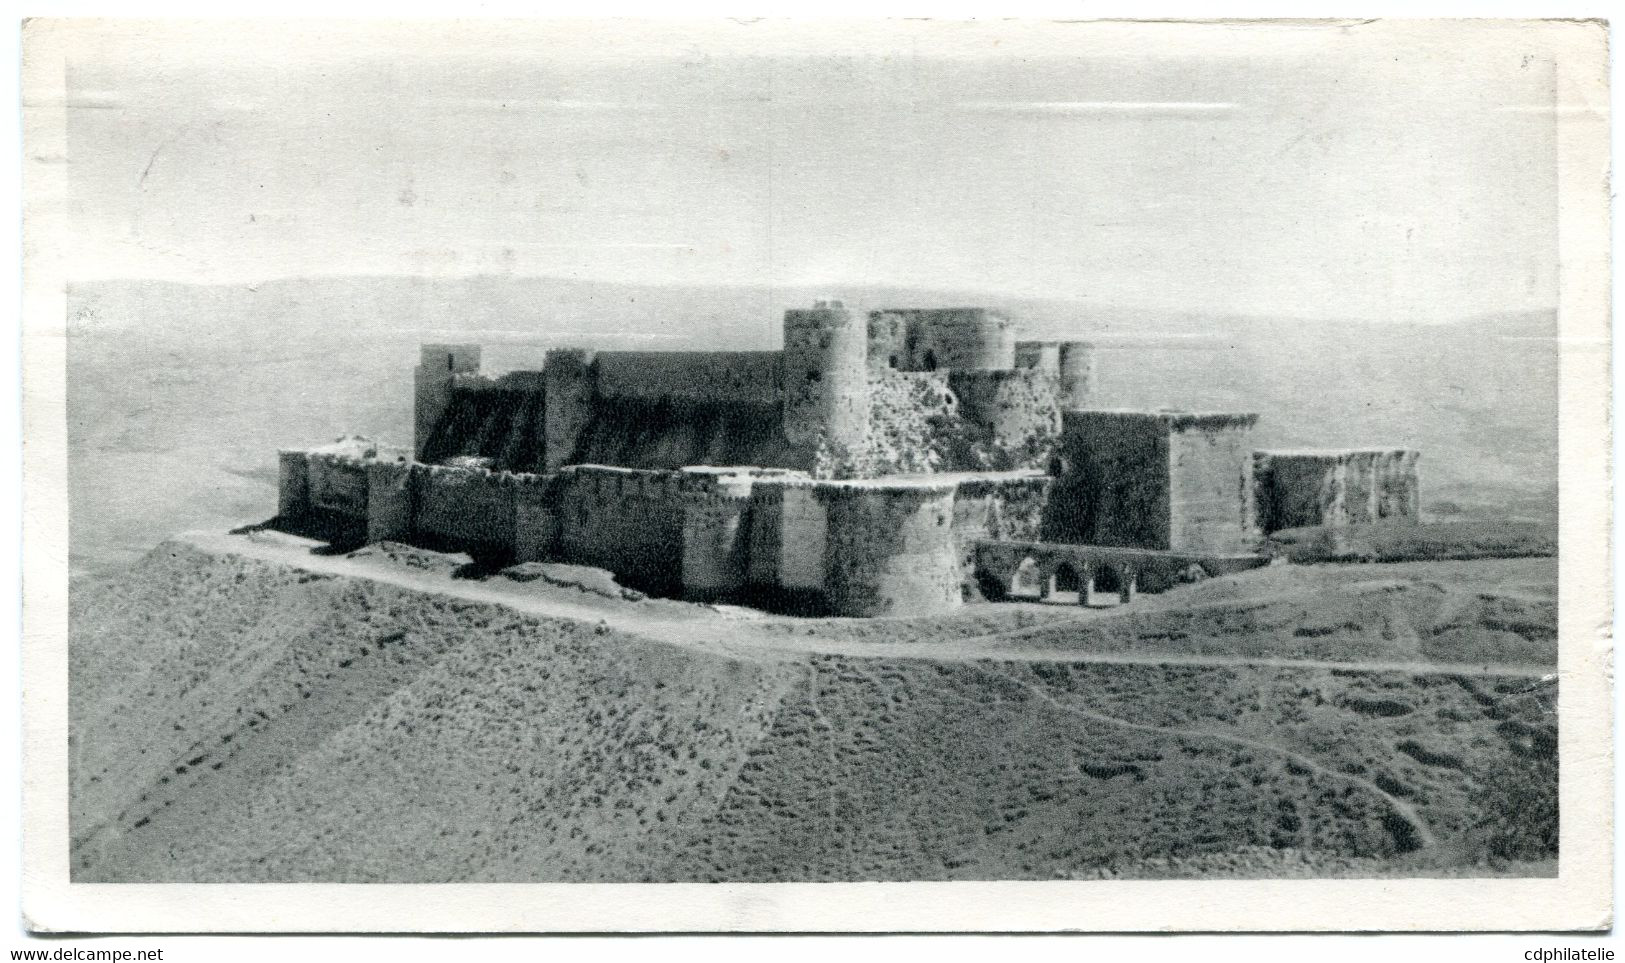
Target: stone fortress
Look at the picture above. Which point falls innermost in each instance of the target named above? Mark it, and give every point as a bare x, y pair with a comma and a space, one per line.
898, 464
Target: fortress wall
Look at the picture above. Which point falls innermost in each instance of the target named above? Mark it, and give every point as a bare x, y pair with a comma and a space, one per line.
825, 410
1114, 485
731, 376
1293, 489
391, 501
338, 484
625, 520
1211, 494
888, 342
439, 366
293, 484
1398, 484
1077, 370
569, 382
536, 517
908, 412
1039, 356
997, 507
716, 536
964, 339
1012, 418
670, 434
890, 548
765, 539
470, 508
499, 420
806, 528
787, 535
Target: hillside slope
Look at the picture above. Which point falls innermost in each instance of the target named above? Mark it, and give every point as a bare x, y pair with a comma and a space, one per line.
242, 719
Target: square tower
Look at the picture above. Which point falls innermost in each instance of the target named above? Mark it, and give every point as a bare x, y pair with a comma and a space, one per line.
1172, 481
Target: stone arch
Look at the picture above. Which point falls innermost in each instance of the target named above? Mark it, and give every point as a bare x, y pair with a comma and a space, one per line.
1026, 580
1108, 580
1066, 578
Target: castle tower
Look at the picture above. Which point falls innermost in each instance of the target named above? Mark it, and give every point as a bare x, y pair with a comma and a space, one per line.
1077, 364
826, 388
890, 548
438, 367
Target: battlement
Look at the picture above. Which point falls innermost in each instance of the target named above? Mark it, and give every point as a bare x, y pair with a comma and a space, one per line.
928, 339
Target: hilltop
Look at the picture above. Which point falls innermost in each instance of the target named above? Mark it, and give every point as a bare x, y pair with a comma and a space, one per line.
242, 711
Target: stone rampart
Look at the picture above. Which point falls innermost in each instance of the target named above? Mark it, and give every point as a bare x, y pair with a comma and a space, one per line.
337, 484
1004, 506
1334, 487
628, 521
729, 376
1211, 486
468, 508
1011, 419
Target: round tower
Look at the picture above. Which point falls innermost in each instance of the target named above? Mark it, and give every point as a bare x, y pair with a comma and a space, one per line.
826, 388
890, 548
1077, 374
986, 341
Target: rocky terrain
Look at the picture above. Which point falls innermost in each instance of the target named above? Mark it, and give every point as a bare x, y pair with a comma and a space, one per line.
242, 711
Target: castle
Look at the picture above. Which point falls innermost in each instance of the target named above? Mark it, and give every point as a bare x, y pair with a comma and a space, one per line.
893, 464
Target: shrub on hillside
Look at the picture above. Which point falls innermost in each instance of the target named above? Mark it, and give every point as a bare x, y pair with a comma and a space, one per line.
1404, 542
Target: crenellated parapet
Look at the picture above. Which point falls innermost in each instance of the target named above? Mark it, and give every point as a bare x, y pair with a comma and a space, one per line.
932, 339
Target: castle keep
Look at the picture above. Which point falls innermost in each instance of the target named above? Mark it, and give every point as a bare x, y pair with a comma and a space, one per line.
894, 464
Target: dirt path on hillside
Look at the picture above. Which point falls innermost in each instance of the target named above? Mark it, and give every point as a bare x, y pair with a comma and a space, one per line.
713, 630
1424, 835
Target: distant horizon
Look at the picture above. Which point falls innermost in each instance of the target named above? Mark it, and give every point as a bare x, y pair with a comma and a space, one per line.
988, 298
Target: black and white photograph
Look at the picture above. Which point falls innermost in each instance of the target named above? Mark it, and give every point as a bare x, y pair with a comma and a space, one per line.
748, 453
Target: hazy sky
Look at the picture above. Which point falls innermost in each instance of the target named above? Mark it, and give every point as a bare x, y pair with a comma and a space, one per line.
1383, 171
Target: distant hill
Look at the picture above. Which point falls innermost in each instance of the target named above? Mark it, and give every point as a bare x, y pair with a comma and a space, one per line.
179, 394
554, 309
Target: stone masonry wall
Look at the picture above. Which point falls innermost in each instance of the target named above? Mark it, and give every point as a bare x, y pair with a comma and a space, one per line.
1338, 487
890, 549
624, 520
1211, 496
1114, 484
911, 417
731, 376
468, 508
1000, 508
1008, 420
337, 484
